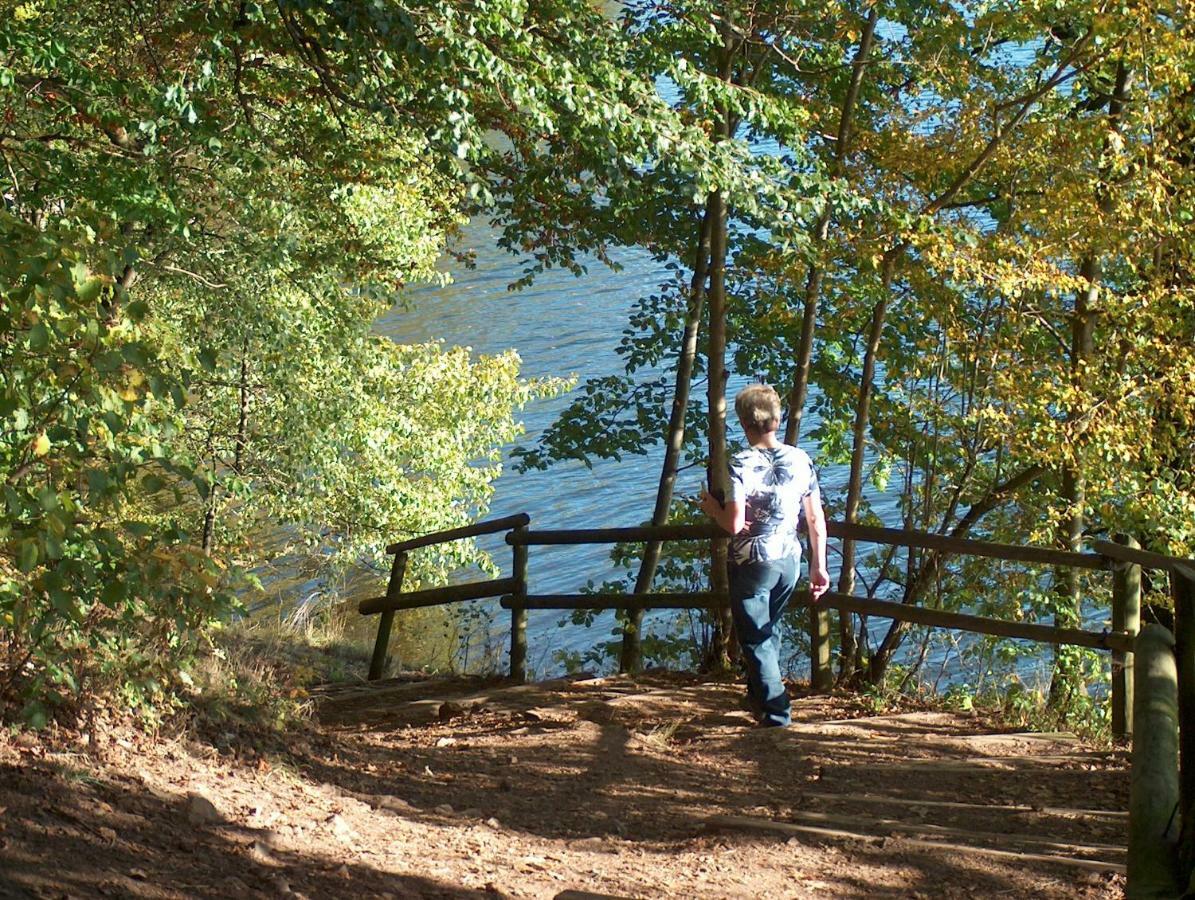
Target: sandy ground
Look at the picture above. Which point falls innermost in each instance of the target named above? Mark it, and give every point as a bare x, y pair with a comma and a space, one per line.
649, 787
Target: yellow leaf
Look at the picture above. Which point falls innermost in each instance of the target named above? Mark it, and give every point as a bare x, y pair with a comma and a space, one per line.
41, 445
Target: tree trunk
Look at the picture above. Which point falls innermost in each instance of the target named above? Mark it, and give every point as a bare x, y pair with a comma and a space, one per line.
242, 438
932, 562
630, 657
719, 471
854, 493
1067, 674
208, 541
891, 258
1067, 678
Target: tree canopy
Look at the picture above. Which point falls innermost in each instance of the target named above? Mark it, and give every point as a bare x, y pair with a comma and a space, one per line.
205, 209
956, 235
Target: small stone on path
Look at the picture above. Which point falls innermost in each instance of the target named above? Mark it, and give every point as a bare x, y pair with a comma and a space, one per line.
341, 828
450, 710
201, 810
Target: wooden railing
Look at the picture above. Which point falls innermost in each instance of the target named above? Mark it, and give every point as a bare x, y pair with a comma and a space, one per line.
395, 599
1125, 558
513, 590
1157, 694
1161, 860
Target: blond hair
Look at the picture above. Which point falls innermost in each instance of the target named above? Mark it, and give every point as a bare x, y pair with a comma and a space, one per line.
758, 406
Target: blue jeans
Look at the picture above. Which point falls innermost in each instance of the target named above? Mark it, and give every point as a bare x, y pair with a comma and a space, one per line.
759, 591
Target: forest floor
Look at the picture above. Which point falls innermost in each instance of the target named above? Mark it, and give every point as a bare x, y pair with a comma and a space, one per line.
656, 786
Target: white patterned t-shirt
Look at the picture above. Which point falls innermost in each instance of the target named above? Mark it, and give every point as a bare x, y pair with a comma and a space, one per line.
771, 483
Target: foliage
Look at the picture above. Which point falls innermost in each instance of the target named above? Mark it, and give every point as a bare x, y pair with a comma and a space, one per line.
87, 582
205, 210
1008, 222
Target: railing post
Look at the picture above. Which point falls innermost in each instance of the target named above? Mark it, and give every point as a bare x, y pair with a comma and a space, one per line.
1126, 617
518, 613
1182, 588
398, 570
821, 672
1154, 782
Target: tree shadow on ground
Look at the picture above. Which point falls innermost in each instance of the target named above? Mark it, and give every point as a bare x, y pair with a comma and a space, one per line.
649, 762
68, 835
602, 772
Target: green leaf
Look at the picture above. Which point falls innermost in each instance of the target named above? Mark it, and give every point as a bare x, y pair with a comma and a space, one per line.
27, 555
89, 291
113, 593
34, 715
39, 337
152, 483
97, 483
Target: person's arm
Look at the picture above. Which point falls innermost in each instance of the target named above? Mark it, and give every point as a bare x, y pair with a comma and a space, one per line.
815, 519
731, 516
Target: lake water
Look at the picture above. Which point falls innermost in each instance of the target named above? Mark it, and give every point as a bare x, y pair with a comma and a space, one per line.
562, 326
570, 326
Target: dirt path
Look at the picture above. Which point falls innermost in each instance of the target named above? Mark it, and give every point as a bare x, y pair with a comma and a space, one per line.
655, 787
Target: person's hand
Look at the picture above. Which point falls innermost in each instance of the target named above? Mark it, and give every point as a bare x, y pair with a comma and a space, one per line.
819, 582
709, 505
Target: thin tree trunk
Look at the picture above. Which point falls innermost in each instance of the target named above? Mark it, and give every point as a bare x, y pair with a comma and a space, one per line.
719, 471
891, 259
630, 656
854, 493
1067, 674
1067, 677
813, 282
209, 513
242, 412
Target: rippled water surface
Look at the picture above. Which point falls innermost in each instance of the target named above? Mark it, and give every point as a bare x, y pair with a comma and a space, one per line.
570, 326
562, 326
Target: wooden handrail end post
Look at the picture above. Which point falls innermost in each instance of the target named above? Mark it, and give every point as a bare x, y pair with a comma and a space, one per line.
1154, 781
381, 645
518, 614
1182, 587
1126, 617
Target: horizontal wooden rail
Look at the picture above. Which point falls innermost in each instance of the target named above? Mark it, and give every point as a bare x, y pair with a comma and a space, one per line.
465, 531
437, 596
867, 533
1145, 558
618, 535
938, 618
694, 600
966, 546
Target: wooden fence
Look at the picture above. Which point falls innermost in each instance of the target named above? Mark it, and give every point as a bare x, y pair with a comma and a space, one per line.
1153, 676
1124, 559
1161, 860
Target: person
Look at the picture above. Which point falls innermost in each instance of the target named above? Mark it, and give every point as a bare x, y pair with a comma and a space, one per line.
770, 483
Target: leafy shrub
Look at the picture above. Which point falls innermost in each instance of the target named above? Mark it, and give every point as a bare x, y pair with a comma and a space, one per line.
92, 590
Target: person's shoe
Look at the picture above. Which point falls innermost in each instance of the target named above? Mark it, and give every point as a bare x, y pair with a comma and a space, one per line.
747, 703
